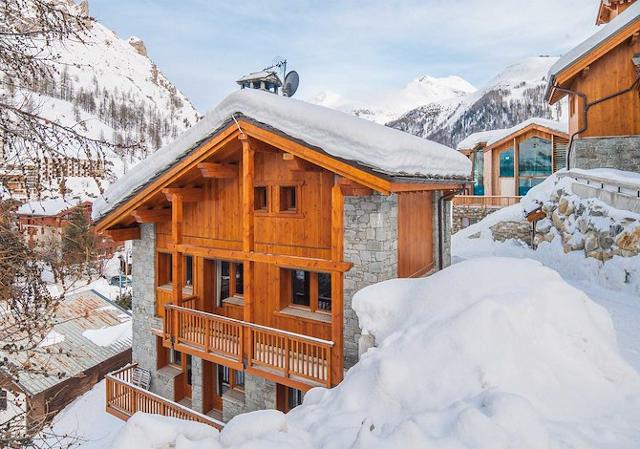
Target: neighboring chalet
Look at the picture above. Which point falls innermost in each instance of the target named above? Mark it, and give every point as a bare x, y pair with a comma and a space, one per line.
508, 162
43, 222
601, 78
251, 234
91, 339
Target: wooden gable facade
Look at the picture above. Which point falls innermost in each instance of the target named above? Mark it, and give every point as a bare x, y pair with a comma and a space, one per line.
602, 81
250, 250
610, 9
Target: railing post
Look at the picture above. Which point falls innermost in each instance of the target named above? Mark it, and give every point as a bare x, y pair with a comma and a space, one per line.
286, 356
207, 333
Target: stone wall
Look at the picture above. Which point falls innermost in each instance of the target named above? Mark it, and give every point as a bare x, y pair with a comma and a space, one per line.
621, 152
464, 216
512, 230
371, 244
145, 352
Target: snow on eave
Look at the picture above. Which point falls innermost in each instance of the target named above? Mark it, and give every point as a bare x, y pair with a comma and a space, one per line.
490, 138
383, 150
619, 24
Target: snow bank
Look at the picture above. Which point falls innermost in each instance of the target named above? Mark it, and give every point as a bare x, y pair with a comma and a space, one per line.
158, 432
492, 353
339, 134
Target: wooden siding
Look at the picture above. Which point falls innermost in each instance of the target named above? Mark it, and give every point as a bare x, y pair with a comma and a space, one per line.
415, 236
611, 73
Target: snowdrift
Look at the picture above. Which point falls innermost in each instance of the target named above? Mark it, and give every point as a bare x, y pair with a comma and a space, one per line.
490, 353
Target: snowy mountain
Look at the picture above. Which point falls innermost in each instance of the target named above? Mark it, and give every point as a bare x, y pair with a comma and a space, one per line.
107, 88
424, 90
449, 109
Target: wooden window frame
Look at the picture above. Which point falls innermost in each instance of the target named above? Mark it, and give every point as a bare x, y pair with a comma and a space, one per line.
267, 199
286, 291
232, 383
217, 284
164, 267
288, 211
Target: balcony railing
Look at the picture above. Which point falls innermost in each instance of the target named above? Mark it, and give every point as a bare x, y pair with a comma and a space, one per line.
123, 399
485, 201
287, 357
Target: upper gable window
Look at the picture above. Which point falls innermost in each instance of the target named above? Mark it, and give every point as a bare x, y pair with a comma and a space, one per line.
261, 199
288, 199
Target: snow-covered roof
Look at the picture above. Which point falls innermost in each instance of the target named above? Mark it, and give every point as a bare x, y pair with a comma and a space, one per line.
386, 150
628, 18
91, 330
489, 138
47, 208
264, 74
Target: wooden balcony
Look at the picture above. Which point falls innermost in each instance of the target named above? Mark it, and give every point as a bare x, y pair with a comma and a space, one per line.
485, 201
123, 399
290, 359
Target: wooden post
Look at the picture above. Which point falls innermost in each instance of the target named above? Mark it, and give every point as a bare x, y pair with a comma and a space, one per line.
337, 290
176, 234
516, 168
248, 171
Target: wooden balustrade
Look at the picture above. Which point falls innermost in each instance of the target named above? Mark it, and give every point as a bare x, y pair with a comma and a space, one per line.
305, 361
486, 201
124, 399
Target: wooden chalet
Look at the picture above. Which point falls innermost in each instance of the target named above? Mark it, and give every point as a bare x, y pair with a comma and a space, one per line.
251, 233
508, 162
601, 76
610, 9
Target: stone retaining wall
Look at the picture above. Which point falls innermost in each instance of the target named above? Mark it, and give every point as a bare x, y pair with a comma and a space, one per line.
464, 216
621, 152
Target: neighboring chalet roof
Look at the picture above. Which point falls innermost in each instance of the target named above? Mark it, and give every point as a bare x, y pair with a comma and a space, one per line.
262, 75
626, 22
48, 208
91, 330
386, 152
489, 138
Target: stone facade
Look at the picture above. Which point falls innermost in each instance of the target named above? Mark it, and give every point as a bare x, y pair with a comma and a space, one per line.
371, 244
464, 216
144, 344
259, 394
621, 152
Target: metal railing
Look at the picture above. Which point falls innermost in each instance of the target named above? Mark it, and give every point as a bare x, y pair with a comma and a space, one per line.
124, 399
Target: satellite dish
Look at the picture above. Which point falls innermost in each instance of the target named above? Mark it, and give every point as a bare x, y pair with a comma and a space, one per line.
291, 82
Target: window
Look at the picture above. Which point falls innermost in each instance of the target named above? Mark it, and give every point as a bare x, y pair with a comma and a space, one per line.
306, 289
506, 163
300, 288
288, 199
260, 200
188, 271
3, 400
324, 291
175, 357
534, 163
230, 379
294, 398
478, 173
165, 268
230, 280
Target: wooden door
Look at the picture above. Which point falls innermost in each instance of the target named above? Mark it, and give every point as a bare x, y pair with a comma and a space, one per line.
187, 375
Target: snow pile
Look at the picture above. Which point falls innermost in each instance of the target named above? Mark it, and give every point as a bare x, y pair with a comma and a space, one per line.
490, 353
111, 335
52, 338
337, 133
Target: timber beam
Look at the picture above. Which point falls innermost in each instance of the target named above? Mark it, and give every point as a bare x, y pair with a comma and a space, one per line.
152, 215
187, 194
352, 188
123, 234
217, 170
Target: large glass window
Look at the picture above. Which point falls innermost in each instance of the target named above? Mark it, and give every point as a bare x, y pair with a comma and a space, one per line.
534, 163
478, 173
300, 288
506, 163
535, 157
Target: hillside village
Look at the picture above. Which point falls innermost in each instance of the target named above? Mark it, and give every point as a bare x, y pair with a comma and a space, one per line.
442, 266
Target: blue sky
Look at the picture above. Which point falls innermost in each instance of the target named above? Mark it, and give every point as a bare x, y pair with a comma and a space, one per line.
356, 48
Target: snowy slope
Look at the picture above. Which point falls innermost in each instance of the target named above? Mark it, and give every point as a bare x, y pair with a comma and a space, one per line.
424, 90
108, 89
